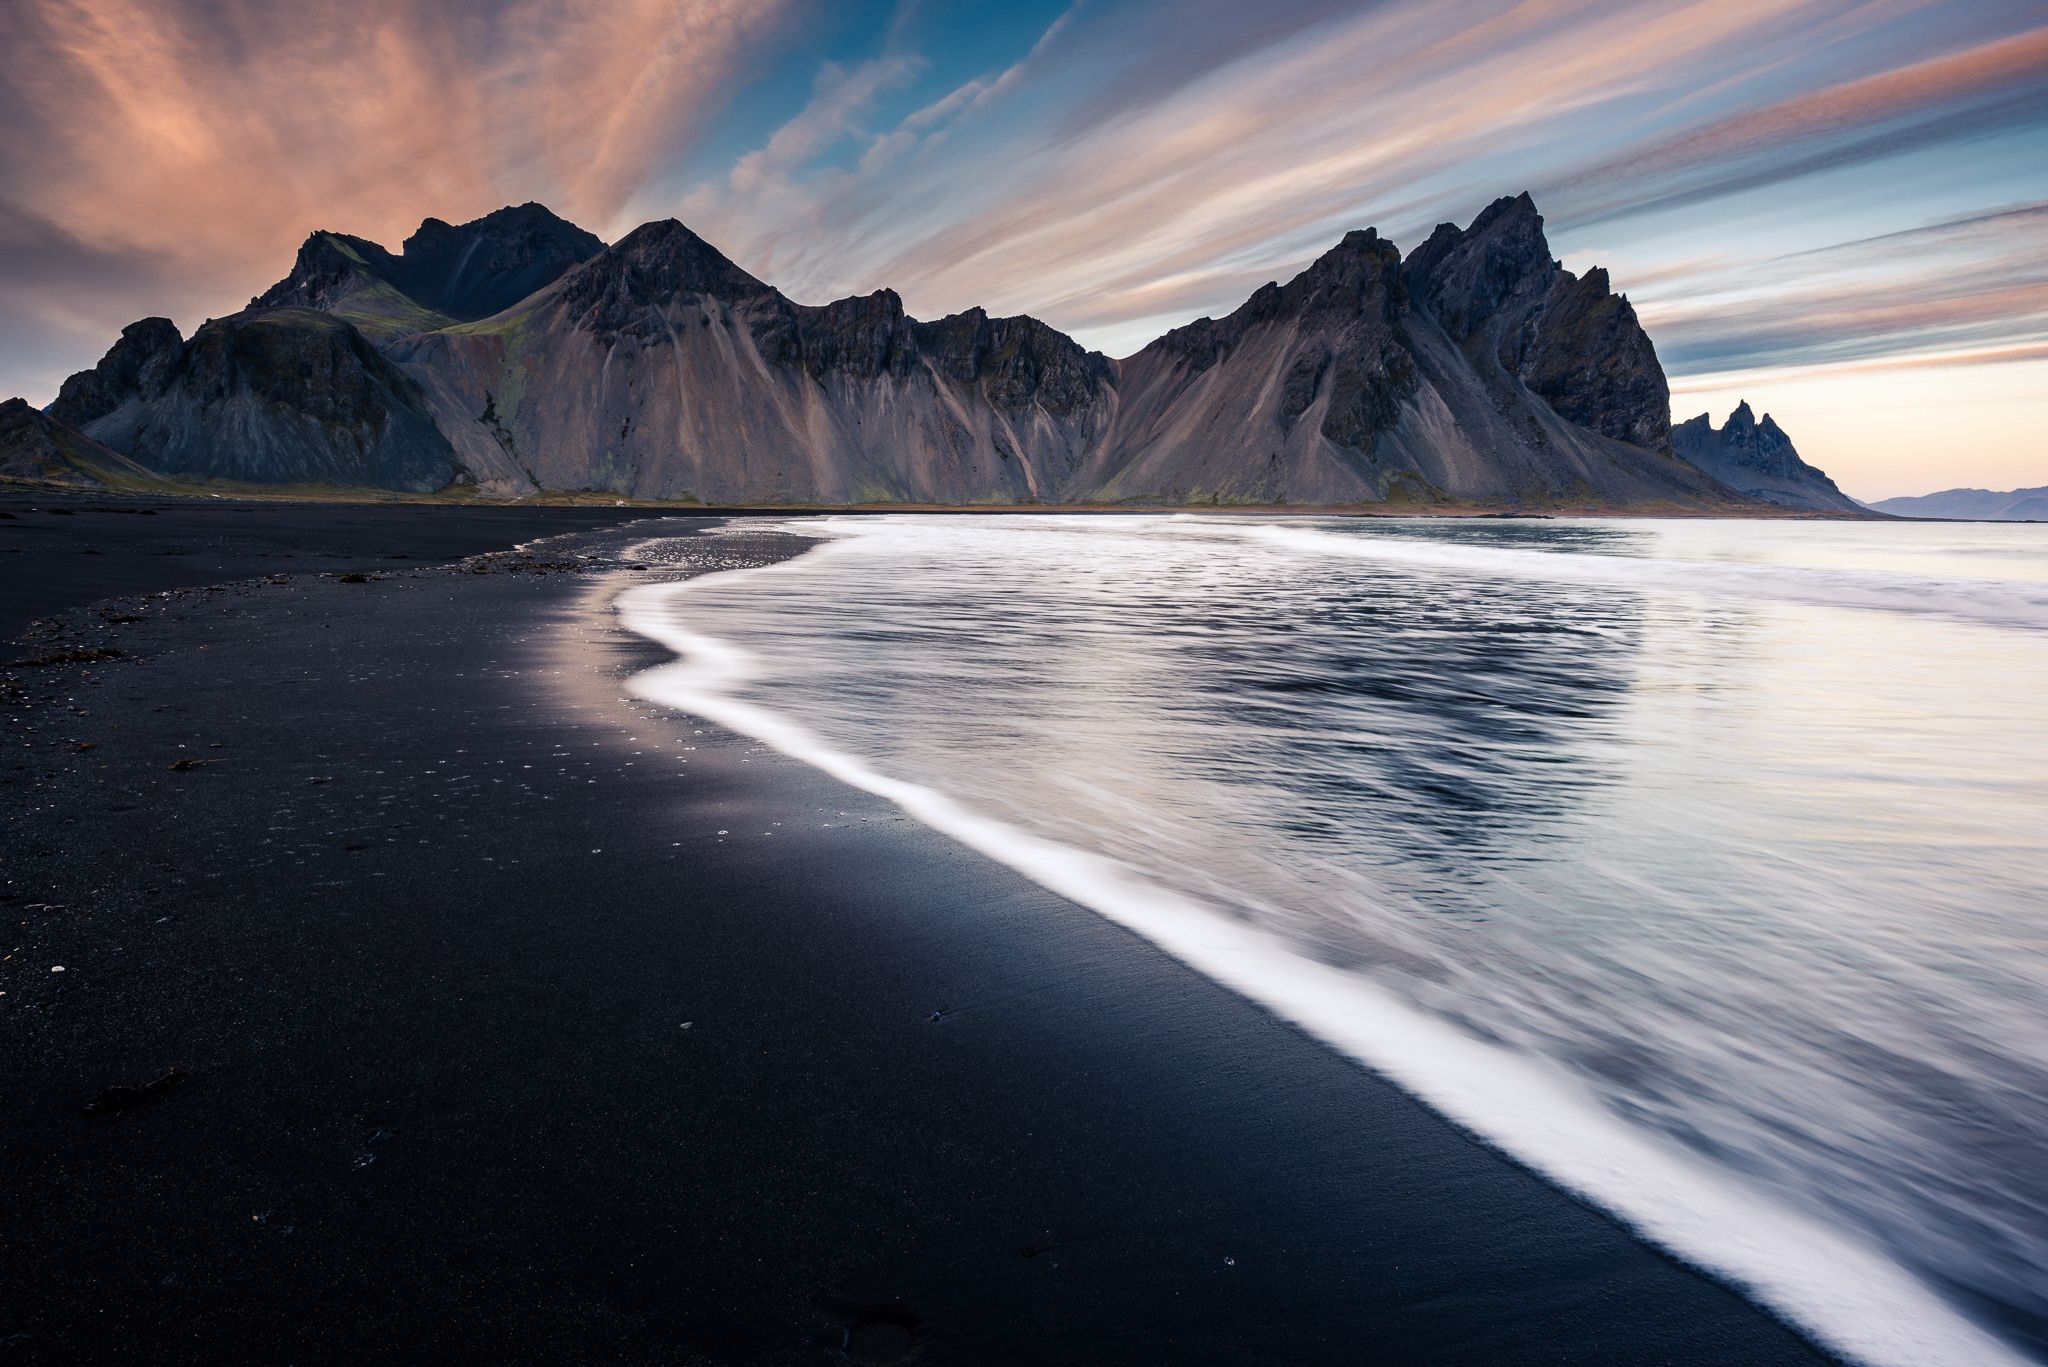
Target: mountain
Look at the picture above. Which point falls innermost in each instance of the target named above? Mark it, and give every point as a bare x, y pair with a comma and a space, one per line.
661, 369
36, 448
277, 396
1480, 370
1972, 505
1758, 459
519, 353
441, 274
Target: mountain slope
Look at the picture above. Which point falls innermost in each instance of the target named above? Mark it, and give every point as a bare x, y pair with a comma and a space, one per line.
1478, 371
661, 369
286, 396
1758, 459
1973, 505
519, 352
36, 448
442, 274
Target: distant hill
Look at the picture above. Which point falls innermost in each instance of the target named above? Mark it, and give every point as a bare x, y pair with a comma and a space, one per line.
1973, 505
518, 353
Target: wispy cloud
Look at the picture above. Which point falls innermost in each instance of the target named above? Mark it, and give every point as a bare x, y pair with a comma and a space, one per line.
1778, 183
1184, 187
1990, 85
206, 140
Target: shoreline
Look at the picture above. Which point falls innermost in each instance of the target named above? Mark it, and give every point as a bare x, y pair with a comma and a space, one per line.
599, 501
366, 930
1532, 1116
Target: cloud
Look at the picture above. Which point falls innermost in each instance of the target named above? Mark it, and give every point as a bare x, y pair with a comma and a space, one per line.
1975, 283
1235, 148
207, 140
1138, 162
1996, 84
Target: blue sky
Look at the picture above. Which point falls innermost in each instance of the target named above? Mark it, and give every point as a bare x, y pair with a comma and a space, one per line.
1837, 209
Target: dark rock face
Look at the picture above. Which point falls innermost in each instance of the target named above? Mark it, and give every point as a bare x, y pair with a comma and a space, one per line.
1465, 277
276, 396
486, 266
867, 336
661, 368
1494, 287
1015, 362
328, 269
1479, 371
40, 449
1758, 459
140, 362
1344, 312
443, 273
626, 289
1584, 352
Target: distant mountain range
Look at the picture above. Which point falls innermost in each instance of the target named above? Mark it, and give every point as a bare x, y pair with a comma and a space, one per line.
1973, 505
519, 354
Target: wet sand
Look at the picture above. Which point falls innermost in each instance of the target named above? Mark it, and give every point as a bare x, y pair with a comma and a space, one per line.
517, 1020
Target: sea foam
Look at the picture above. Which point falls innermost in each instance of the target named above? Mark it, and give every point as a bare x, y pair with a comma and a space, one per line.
1995, 602
1842, 1291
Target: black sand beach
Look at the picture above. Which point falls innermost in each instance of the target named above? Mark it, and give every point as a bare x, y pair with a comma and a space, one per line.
425, 999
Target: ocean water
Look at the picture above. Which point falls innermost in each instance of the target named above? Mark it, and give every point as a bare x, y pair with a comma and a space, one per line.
1702, 866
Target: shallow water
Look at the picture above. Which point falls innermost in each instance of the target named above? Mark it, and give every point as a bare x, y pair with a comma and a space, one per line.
1698, 864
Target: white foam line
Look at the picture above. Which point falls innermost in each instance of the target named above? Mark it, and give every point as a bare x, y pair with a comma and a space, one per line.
1841, 1291
1996, 602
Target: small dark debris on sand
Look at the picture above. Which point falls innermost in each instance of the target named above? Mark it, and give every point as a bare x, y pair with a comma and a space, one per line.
882, 1337
128, 1096
82, 655
523, 562
353, 578
186, 765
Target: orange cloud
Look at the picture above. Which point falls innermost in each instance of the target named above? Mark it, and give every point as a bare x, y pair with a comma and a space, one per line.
213, 138
1981, 70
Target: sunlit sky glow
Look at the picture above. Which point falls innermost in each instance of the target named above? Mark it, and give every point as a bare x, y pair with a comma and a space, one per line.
1836, 209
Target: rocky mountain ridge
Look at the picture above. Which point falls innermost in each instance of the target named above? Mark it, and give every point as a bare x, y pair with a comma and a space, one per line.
442, 274
519, 353
36, 448
1758, 459
280, 395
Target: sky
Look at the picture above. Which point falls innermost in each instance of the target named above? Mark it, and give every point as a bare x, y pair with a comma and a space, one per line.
1836, 210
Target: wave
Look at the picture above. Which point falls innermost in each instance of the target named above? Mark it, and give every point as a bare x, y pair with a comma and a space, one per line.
1844, 1293
1993, 602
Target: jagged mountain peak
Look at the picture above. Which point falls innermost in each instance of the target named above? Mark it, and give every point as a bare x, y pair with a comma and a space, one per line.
1477, 369
137, 362
1756, 457
479, 268
328, 268
40, 449
1361, 256
1465, 276
1496, 289
530, 217
669, 247
650, 268
444, 272
1515, 213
